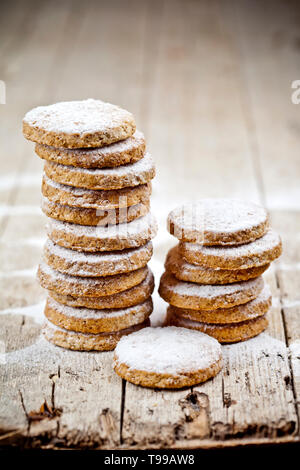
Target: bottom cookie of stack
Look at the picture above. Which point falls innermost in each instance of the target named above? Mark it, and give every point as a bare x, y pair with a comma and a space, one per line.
91, 329
84, 341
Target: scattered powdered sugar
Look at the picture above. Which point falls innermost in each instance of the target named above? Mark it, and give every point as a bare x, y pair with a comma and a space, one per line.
294, 350
169, 350
80, 117
136, 169
126, 230
26, 180
218, 215
93, 154
6, 209
267, 242
89, 313
36, 311
30, 272
261, 345
208, 291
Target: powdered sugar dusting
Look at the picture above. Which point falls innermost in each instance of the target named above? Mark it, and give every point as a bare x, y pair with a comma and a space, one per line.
136, 169
135, 228
81, 263
169, 350
218, 215
208, 291
266, 243
88, 313
80, 117
56, 276
94, 154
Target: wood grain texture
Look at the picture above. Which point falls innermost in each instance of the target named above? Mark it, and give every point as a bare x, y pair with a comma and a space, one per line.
210, 85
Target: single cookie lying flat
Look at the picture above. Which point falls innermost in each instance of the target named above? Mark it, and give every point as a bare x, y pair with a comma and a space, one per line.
77, 124
239, 313
218, 222
83, 264
83, 216
94, 199
133, 174
111, 238
127, 298
86, 320
86, 341
88, 286
167, 358
120, 153
260, 252
224, 333
189, 272
207, 297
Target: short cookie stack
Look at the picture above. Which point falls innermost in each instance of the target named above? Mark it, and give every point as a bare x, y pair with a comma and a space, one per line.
96, 193
213, 279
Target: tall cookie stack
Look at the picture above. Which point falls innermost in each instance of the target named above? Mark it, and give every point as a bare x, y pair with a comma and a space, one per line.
96, 193
213, 279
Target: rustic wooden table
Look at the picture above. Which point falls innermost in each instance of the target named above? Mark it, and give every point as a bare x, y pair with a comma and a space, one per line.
210, 85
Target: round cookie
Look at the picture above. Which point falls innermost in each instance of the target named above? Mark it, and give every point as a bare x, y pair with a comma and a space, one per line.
133, 174
207, 297
97, 238
127, 298
218, 222
86, 320
94, 199
77, 124
88, 286
224, 333
83, 264
167, 358
189, 272
100, 217
239, 313
260, 252
86, 341
120, 153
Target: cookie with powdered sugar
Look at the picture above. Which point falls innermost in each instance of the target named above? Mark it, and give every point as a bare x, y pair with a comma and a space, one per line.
127, 298
200, 296
86, 341
88, 286
185, 271
224, 333
133, 174
167, 358
83, 216
94, 199
87, 320
218, 222
98, 238
259, 252
239, 313
120, 153
78, 124
83, 264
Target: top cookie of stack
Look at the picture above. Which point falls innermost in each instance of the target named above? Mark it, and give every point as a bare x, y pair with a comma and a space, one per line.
96, 188
213, 277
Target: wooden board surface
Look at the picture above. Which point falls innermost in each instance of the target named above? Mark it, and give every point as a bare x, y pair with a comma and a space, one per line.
210, 85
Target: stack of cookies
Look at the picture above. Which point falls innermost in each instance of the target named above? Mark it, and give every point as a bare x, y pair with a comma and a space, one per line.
96, 193
213, 280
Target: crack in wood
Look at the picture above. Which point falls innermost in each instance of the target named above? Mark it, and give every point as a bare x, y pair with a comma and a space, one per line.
123, 394
291, 377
